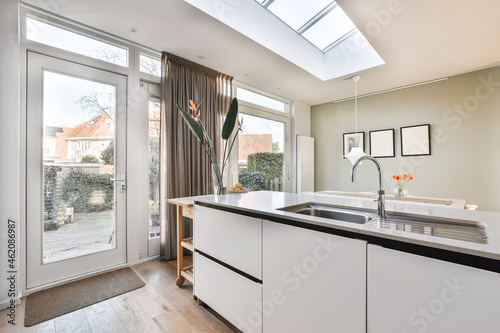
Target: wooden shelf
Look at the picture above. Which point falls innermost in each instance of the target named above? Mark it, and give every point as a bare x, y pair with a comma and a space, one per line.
184, 209
187, 243
187, 273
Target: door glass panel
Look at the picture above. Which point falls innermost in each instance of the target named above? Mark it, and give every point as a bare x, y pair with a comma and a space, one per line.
154, 164
260, 154
78, 165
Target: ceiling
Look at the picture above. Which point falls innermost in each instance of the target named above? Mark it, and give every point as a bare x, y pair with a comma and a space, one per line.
419, 41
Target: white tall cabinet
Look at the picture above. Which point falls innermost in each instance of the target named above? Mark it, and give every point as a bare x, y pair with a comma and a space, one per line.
313, 281
408, 293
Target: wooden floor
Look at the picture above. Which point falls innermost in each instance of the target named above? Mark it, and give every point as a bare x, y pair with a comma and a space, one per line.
159, 306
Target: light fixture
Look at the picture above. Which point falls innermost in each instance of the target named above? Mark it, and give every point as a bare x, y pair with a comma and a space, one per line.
356, 152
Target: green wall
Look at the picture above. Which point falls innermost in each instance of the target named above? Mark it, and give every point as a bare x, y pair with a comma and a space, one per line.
464, 114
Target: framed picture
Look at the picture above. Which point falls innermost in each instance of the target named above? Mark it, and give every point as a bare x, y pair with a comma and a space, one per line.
382, 143
352, 139
416, 140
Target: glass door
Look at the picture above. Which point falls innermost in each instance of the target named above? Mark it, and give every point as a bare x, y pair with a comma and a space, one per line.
76, 177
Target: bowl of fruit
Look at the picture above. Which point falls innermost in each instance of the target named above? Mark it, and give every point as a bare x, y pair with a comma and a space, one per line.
237, 189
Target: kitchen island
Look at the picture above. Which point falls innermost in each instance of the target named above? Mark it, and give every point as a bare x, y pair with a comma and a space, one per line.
269, 270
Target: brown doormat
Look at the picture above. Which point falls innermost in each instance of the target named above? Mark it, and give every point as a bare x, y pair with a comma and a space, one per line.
54, 302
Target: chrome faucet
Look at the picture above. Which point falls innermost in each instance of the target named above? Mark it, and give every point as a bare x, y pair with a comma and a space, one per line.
381, 192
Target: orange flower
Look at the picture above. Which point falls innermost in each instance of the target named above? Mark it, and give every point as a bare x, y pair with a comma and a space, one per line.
397, 177
410, 177
192, 106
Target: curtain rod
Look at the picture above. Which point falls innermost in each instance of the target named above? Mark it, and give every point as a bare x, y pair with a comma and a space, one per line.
392, 89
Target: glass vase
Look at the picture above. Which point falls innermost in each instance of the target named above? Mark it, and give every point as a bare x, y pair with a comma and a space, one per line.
218, 180
400, 193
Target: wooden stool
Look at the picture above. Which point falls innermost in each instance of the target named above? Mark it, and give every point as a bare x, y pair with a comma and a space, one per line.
184, 208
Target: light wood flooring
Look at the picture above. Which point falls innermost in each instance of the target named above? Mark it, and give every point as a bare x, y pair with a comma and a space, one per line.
159, 306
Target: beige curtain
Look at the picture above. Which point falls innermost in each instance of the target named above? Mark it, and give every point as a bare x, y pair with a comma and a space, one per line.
185, 169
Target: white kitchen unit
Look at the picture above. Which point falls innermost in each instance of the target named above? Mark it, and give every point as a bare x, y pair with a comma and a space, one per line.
408, 293
232, 238
233, 296
228, 266
313, 281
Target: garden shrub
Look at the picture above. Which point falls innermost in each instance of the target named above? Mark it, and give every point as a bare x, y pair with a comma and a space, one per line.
108, 154
78, 186
255, 181
89, 159
269, 163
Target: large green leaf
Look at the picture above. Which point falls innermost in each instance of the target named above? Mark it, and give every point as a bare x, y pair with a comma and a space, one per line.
193, 125
230, 121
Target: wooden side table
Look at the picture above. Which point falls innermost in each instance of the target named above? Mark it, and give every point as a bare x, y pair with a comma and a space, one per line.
184, 208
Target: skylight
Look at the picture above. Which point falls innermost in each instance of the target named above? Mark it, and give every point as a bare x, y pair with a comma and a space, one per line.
321, 22
315, 35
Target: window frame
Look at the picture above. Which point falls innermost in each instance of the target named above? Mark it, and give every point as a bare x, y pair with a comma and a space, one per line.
260, 111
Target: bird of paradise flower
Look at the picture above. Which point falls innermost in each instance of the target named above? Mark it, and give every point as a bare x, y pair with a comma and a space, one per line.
197, 127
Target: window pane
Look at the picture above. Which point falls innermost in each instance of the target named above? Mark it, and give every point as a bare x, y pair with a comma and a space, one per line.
259, 99
296, 13
330, 28
154, 163
78, 163
150, 65
66, 40
260, 154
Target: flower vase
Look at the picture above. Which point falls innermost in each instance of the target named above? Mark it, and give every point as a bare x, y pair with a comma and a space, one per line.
400, 193
218, 180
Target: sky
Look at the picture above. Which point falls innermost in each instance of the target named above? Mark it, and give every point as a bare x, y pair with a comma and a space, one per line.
60, 95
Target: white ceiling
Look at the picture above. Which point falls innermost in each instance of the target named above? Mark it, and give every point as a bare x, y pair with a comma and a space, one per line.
422, 40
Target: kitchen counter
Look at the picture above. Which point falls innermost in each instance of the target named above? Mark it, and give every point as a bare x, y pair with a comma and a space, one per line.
264, 204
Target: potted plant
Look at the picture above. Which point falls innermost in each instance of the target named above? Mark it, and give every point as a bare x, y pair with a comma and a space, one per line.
154, 212
50, 225
197, 127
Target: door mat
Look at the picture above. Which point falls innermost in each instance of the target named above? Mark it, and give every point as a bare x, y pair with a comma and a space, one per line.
54, 302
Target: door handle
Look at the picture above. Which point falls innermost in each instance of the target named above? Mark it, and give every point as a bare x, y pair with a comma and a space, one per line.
123, 180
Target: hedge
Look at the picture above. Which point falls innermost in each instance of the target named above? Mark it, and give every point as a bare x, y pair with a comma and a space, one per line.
89, 159
269, 163
78, 186
254, 181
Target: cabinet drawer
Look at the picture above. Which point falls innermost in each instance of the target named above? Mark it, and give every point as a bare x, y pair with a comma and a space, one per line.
233, 296
231, 238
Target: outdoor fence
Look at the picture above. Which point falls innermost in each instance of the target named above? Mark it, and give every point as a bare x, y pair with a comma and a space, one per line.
274, 184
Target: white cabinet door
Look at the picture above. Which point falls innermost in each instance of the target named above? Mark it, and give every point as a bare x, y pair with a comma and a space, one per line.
313, 282
233, 296
409, 293
232, 238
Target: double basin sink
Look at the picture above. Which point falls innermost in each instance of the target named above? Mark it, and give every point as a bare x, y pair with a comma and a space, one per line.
465, 230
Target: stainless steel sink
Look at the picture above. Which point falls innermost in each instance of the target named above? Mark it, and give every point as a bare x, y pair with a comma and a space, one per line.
329, 212
466, 230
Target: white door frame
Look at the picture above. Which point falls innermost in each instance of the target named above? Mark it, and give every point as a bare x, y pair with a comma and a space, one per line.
39, 274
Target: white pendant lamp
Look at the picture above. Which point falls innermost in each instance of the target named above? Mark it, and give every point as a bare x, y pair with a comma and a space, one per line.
356, 152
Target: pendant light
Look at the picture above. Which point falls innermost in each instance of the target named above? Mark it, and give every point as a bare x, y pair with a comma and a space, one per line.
356, 152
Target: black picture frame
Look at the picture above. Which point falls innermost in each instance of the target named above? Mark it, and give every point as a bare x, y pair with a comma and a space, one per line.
416, 140
347, 145
382, 143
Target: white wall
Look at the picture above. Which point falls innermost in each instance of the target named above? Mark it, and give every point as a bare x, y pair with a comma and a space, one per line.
301, 125
9, 135
302, 118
